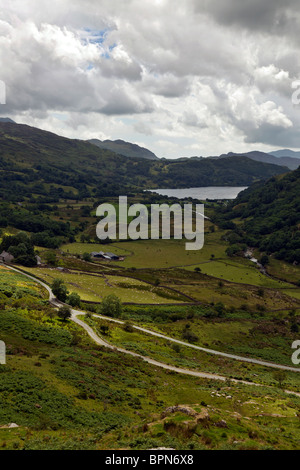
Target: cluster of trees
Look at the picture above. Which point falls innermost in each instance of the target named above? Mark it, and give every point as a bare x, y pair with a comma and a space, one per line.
111, 305
21, 247
44, 231
61, 292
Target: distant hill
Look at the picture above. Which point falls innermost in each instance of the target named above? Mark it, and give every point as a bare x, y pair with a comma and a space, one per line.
285, 153
6, 119
270, 212
289, 162
197, 172
41, 166
124, 148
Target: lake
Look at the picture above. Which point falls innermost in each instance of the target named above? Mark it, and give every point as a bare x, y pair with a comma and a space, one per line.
203, 193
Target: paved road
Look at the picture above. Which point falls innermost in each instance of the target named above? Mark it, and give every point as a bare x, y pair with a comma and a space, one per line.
210, 351
56, 303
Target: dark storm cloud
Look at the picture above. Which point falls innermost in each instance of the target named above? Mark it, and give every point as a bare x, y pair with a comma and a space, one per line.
264, 15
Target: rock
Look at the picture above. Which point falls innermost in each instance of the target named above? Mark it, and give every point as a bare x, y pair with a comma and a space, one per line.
162, 448
9, 426
221, 424
182, 409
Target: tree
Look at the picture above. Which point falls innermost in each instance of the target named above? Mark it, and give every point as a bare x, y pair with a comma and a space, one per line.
21, 247
86, 257
294, 327
220, 309
104, 329
64, 312
128, 327
197, 269
59, 289
50, 257
264, 260
74, 299
261, 292
280, 377
111, 306
190, 336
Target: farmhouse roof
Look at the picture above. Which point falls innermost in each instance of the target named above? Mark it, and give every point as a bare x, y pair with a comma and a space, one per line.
6, 257
111, 255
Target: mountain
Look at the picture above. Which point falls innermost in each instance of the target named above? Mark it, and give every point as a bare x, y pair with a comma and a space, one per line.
124, 148
270, 214
285, 153
39, 165
291, 163
197, 172
6, 120
31, 159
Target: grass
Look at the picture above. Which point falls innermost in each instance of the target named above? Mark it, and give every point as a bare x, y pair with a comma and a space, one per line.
282, 270
88, 401
76, 395
11, 281
95, 288
259, 338
292, 293
155, 253
232, 341
80, 248
238, 272
231, 295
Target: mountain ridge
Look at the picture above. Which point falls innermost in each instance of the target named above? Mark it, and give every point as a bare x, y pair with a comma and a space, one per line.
121, 147
42, 165
285, 153
290, 162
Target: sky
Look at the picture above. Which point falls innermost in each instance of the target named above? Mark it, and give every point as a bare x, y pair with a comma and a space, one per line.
182, 78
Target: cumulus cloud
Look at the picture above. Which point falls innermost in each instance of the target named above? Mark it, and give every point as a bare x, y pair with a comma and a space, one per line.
208, 75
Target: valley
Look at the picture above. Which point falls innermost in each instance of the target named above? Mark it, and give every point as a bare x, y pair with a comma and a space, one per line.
154, 345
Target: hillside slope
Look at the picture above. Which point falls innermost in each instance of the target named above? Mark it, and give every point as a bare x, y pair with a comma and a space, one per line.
37, 163
124, 148
285, 153
290, 162
271, 214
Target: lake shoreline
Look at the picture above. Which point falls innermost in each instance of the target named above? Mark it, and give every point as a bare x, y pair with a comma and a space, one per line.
201, 193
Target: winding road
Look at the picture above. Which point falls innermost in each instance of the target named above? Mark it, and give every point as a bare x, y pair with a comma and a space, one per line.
98, 340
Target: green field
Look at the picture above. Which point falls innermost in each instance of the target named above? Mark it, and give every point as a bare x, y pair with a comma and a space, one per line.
165, 254
292, 293
155, 253
283, 270
80, 248
231, 295
239, 272
95, 287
